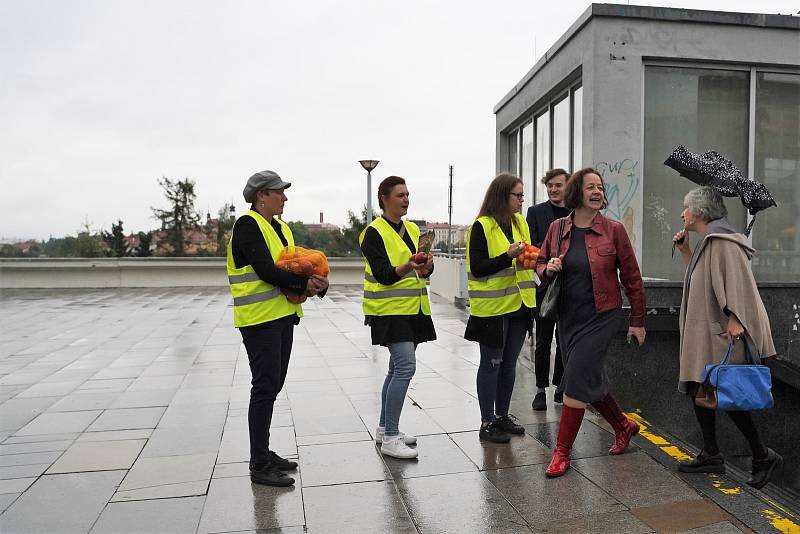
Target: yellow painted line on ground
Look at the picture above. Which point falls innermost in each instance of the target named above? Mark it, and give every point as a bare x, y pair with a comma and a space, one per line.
720, 485
655, 439
780, 522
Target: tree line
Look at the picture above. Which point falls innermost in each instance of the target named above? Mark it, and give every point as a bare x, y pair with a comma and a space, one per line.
182, 233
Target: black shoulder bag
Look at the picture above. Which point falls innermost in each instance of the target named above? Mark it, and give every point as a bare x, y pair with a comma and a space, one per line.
548, 308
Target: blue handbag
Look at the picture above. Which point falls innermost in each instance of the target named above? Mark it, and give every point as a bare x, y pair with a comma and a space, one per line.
737, 387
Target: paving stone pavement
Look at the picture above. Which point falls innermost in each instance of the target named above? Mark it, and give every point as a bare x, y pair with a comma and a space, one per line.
126, 411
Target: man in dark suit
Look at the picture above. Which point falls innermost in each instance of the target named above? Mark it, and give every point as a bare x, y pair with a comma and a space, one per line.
539, 218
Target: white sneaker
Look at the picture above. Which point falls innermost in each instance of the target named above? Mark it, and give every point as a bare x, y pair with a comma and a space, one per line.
407, 439
397, 449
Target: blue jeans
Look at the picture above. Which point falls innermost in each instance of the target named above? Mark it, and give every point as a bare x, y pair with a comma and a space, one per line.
402, 365
498, 370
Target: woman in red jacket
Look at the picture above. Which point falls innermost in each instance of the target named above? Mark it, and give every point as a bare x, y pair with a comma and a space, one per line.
593, 250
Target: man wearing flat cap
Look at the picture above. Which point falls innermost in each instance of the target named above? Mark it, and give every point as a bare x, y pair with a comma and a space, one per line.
265, 310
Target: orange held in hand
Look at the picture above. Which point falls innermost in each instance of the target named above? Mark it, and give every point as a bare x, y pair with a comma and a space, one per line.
303, 261
528, 257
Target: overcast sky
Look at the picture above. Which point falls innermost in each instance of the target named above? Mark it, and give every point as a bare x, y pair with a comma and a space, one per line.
99, 98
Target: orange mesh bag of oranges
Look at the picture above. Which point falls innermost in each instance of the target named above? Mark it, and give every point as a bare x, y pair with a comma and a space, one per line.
528, 257
304, 262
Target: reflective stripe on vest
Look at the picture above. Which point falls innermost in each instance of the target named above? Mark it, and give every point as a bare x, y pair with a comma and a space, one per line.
369, 278
254, 300
504, 291
392, 293
499, 274
256, 297
407, 296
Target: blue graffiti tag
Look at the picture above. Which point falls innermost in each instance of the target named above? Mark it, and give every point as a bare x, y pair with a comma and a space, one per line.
615, 175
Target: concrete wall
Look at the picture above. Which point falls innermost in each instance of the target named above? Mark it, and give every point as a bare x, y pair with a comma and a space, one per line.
139, 272
646, 378
449, 279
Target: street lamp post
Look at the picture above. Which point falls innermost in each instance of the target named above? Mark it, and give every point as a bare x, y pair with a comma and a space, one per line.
369, 164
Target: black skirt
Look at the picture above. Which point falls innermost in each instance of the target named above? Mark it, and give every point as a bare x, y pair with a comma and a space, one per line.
388, 329
583, 347
584, 334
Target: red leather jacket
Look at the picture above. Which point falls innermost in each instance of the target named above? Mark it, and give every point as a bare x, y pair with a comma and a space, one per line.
609, 251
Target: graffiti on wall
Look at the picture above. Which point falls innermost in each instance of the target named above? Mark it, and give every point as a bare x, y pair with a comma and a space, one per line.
657, 209
622, 182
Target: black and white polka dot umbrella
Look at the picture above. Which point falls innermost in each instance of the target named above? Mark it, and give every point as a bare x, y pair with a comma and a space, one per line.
713, 169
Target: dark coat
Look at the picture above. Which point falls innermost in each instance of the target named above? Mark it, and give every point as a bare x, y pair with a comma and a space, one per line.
539, 218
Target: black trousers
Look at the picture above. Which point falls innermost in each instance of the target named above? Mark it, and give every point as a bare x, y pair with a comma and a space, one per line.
541, 355
268, 349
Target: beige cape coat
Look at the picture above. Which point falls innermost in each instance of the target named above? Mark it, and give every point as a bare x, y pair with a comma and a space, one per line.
721, 280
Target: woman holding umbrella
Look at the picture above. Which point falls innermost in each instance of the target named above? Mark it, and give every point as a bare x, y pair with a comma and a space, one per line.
720, 306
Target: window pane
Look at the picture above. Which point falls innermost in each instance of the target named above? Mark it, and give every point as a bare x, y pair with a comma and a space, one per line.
542, 154
526, 173
561, 134
777, 165
513, 162
702, 109
577, 129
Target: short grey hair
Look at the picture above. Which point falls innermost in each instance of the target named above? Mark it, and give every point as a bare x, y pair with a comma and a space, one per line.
706, 203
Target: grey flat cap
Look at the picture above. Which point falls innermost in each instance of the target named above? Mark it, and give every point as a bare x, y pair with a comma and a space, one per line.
261, 181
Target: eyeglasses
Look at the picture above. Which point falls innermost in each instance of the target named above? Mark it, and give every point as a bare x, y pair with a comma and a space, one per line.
519, 196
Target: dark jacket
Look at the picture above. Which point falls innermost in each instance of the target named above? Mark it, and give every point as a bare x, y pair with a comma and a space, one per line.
539, 218
609, 250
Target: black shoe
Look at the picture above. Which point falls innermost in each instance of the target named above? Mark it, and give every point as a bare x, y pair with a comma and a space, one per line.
539, 402
269, 475
704, 463
762, 469
508, 424
492, 432
281, 463
558, 397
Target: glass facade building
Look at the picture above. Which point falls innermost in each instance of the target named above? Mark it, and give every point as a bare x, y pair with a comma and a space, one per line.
624, 87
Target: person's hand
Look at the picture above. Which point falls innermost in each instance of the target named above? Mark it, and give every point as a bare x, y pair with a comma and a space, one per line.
735, 329
320, 281
681, 240
312, 287
427, 267
555, 265
515, 250
637, 332
413, 266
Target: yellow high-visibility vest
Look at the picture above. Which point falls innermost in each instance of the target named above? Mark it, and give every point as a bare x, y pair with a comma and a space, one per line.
505, 291
254, 300
408, 295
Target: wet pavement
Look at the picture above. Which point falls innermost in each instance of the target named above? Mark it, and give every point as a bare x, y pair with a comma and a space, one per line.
126, 411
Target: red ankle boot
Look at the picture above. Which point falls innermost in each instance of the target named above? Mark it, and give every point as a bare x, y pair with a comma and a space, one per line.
568, 427
624, 428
